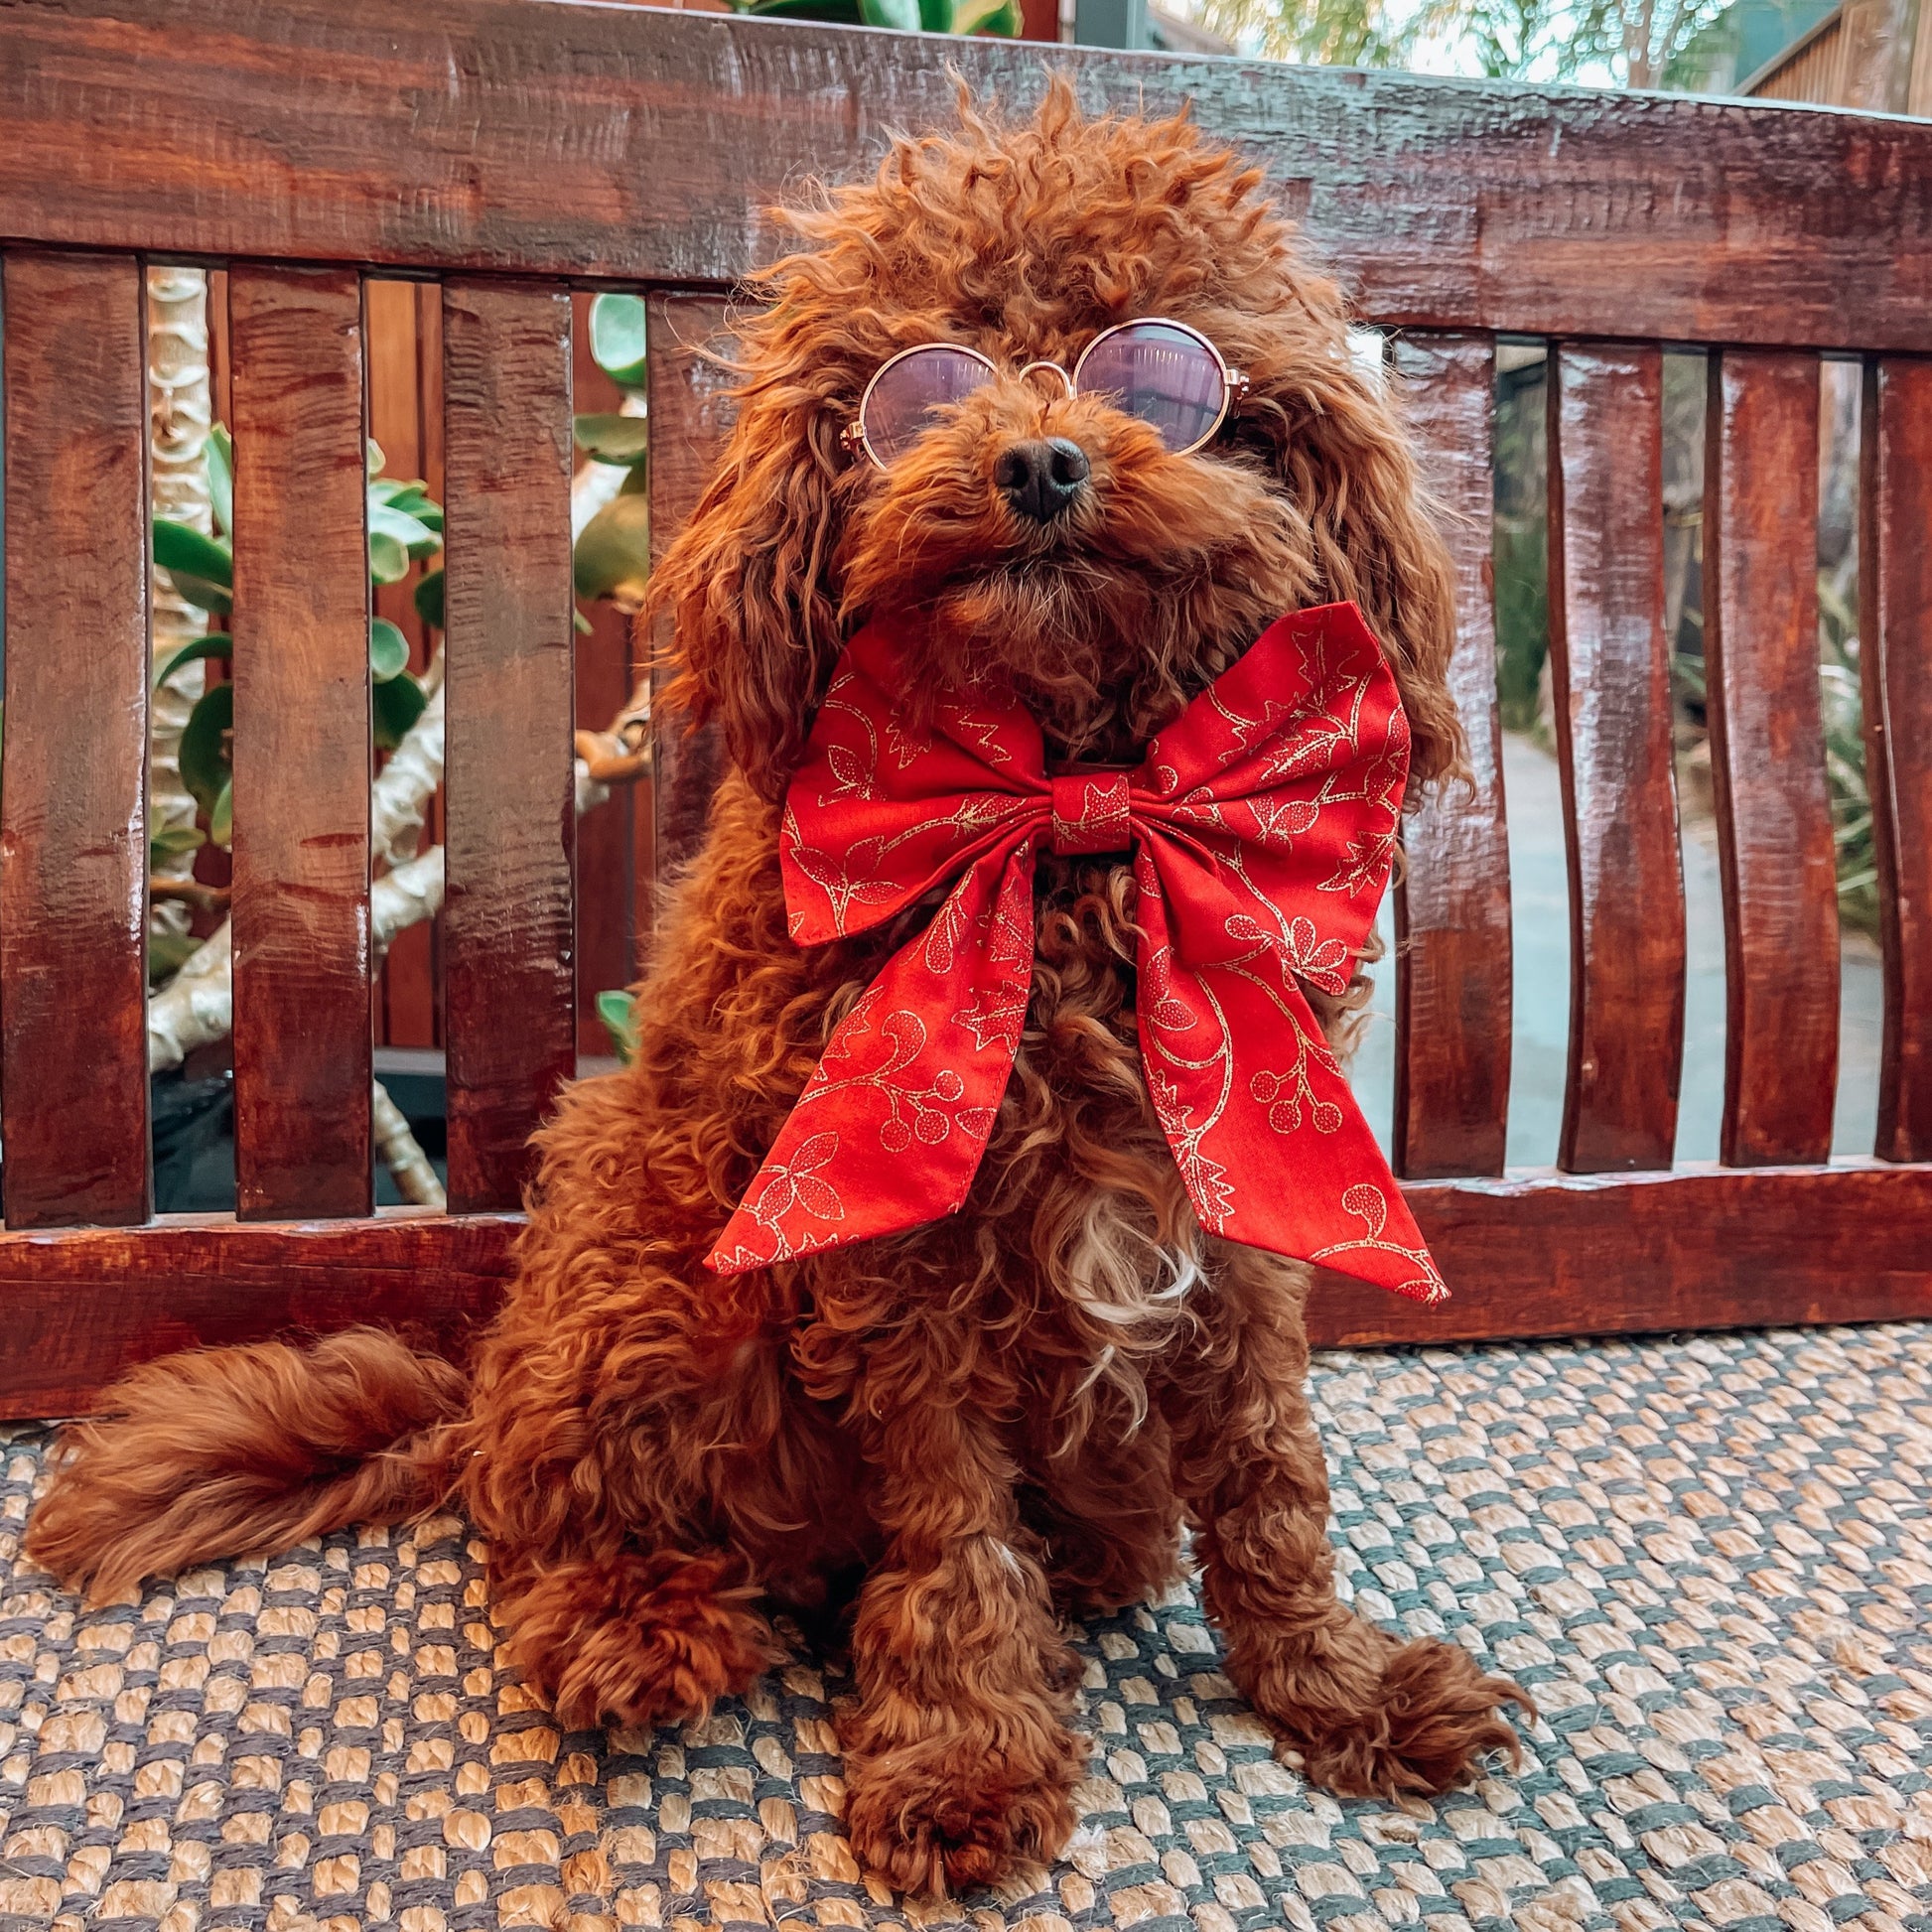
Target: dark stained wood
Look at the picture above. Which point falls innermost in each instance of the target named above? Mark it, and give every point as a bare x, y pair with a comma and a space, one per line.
1611, 669
436, 135
432, 141
1703, 1247
82, 1306
1768, 757
73, 848
1895, 592
509, 987
1451, 908
690, 417
302, 965
1533, 1255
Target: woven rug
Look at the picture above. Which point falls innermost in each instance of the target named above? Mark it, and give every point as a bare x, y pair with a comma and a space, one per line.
1709, 1558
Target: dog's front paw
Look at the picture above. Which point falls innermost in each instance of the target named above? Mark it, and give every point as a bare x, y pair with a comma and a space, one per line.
952, 1812
1421, 1724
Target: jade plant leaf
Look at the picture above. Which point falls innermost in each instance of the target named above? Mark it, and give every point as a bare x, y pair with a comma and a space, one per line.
388, 650
617, 1011
619, 440
429, 598
394, 706
613, 554
617, 338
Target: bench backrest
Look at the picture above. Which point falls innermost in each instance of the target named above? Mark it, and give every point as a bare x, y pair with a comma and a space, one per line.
514, 152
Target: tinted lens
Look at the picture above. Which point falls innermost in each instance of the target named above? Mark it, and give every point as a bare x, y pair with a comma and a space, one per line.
1162, 375
908, 396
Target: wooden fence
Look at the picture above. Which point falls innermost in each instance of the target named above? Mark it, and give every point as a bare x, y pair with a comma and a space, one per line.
514, 153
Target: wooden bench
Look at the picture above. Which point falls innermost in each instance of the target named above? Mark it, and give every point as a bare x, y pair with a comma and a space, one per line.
513, 152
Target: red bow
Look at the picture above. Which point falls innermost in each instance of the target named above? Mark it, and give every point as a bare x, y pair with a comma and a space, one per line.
1262, 825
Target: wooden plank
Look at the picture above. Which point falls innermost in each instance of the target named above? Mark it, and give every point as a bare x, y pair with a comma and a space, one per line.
1768, 757
84, 1307
1895, 595
690, 417
302, 1036
1452, 909
509, 978
1611, 668
73, 849
436, 136
1533, 1255
1702, 1247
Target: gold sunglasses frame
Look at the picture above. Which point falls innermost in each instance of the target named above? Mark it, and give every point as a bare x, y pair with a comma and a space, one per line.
1234, 383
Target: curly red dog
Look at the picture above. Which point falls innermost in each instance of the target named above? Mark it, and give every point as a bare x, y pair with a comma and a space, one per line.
1013, 1412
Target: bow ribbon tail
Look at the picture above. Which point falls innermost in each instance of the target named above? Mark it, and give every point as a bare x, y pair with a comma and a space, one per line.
1270, 1145
916, 1068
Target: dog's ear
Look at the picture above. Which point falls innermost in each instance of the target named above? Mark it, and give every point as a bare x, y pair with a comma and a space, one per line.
753, 629
1327, 423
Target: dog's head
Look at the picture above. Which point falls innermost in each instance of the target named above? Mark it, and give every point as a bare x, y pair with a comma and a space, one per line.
1049, 544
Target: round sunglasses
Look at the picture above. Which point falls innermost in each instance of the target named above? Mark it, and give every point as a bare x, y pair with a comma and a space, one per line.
1165, 373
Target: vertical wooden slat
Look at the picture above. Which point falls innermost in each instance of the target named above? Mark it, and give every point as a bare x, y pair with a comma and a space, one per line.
1610, 665
301, 745
1767, 757
690, 416
1895, 641
509, 987
1451, 908
74, 850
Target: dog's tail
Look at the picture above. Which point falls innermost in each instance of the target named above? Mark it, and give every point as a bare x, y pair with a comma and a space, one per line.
235, 1452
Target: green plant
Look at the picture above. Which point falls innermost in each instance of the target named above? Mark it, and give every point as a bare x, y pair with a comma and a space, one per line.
619, 1012
404, 526
908, 16
1522, 619
1841, 707
612, 556
1637, 43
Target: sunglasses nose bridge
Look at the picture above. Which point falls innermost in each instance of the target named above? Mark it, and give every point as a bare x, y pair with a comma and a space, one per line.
1048, 369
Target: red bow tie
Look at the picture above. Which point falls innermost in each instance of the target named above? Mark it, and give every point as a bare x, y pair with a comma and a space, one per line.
1262, 825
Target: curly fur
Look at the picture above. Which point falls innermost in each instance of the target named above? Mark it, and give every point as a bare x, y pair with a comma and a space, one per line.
1013, 1412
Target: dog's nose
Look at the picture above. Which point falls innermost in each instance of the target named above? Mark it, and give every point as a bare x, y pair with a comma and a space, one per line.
1041, 479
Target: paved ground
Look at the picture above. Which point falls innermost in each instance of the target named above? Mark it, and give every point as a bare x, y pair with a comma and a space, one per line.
1710, 1560
1540, 896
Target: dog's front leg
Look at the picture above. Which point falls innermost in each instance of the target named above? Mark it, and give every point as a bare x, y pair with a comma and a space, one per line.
1369, 1713
959, 1759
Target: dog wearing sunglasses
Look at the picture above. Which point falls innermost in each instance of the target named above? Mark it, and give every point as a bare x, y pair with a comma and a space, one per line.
1061, 404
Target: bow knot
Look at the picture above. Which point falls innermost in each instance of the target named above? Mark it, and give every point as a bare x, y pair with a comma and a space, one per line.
1262, 824
1091, 812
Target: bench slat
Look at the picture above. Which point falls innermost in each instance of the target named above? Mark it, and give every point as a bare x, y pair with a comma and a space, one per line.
1451, 906
1895, 625
1537, 1254
509, 985
1610, 664
690, 417
73, 899
302, 949
436, 136
1768, 757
